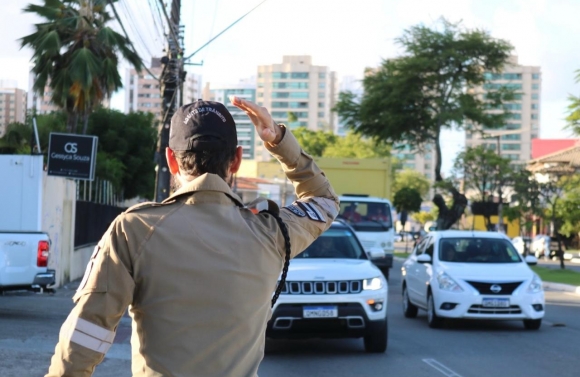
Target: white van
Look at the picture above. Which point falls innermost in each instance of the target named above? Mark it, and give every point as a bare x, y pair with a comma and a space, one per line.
372, 220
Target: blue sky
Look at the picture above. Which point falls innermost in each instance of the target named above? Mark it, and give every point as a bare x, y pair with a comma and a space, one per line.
345, 35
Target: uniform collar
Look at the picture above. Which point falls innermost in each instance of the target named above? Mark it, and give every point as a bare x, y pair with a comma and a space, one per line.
206, 182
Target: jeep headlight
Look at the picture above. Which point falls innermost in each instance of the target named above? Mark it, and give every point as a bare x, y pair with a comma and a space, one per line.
446, 283
535, 285
372, 284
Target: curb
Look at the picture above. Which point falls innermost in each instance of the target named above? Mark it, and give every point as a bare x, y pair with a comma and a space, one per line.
561, 287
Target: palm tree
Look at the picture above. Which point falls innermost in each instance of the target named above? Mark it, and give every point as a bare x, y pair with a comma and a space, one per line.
77, 54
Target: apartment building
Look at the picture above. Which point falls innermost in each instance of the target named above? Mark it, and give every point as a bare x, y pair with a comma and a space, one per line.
143, 90
12, 106
245, 89
514, 140
299, 87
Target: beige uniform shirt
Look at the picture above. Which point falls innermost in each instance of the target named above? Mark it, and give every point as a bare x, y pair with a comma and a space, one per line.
197, 273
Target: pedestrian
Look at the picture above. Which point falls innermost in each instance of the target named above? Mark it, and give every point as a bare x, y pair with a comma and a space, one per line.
197, 271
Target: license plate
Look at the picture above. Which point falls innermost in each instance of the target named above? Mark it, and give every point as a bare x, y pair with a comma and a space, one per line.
496, 303
320, 312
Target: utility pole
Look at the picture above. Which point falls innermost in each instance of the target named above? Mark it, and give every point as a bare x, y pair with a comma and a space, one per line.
170, 84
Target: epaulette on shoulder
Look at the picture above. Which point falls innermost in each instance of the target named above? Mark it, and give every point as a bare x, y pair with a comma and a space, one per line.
139, 206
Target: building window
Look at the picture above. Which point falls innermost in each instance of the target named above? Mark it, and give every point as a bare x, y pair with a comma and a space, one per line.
511, 137
320, 94
512, 106
322, 75
321, 114
499, 86
535, 106
321, 85
534, 116
516, 116
290, 85
511, 147
321, 105
535, 96
427, 166
535, 76
512, 76
290, 95
535, 86
513, 126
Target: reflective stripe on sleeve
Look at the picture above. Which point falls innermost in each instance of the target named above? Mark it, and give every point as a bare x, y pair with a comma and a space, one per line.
87, 334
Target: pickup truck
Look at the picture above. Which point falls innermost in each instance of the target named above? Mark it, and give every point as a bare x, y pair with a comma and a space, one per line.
24, 261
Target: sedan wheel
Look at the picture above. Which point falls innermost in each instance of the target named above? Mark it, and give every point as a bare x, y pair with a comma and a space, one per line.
433, 320
409, 310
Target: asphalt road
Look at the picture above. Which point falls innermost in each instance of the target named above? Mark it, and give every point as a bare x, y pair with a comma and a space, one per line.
29, 326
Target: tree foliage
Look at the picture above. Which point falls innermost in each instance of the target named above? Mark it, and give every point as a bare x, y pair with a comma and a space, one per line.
573, 119
407, 199
422, 217
76, 53
412, 98
411, 179
483, 171
327, 144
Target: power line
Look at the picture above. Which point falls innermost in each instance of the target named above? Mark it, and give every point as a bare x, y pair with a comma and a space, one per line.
129, 40
171, 25
223, 31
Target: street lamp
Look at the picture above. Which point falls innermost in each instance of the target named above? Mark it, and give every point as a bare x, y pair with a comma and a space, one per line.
497, 135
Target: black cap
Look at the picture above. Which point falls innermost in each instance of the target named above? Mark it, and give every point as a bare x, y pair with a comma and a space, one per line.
202, 126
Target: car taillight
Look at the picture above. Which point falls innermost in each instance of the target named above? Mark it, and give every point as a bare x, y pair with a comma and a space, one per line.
42, 254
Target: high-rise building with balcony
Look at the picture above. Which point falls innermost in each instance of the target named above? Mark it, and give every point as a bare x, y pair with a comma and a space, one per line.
297, 86
245, 89
523, 125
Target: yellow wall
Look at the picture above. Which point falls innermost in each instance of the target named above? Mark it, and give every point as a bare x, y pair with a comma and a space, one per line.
370, 176
513, 227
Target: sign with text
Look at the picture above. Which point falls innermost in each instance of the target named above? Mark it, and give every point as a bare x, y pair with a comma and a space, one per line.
72, 156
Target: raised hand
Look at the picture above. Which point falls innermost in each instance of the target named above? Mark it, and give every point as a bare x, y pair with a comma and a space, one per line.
266, 128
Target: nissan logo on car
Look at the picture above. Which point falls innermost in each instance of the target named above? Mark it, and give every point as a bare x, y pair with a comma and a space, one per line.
495, 288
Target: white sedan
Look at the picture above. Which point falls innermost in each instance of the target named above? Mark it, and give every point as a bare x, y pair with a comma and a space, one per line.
474, 275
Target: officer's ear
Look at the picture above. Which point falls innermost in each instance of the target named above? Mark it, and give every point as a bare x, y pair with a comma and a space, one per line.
237, 162
171, 161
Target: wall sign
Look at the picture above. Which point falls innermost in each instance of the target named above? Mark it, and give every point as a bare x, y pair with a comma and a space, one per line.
72, 156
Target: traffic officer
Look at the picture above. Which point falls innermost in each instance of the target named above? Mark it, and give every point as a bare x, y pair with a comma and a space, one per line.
197, 271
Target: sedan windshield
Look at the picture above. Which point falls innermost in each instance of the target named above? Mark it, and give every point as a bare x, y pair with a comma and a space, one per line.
334, 243
477, 250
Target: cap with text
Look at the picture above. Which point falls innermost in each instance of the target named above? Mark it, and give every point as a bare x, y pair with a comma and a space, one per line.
202, 126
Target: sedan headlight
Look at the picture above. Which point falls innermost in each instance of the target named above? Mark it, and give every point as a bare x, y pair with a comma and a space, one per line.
536, 285
373, 284
446, 283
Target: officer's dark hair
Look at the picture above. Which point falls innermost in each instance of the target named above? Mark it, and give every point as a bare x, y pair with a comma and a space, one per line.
196, 163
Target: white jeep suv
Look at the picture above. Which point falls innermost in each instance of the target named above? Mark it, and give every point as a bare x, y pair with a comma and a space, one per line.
333, 290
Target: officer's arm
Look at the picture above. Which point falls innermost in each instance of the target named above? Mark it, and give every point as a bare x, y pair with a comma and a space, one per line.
101, 300
317, 205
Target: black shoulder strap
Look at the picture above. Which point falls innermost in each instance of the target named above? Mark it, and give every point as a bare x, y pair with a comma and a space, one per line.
286, 236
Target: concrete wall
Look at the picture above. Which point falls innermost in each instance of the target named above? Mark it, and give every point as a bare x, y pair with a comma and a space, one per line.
58, 220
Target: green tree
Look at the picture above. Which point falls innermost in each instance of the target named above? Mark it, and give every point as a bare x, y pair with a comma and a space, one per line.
354, 146
412, 179
483, 171
407, 199
16, 139
422, 217
127, 144
314, 142
569, 209
76, 53
431, 87
573, 119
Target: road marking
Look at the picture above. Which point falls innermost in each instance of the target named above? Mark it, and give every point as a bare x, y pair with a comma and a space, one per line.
441, 368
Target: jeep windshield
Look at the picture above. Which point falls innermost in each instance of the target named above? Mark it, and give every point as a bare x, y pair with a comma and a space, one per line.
335, 243
477, 250
366, 216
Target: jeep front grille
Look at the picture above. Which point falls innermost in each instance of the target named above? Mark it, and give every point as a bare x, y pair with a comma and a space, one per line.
321, 287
